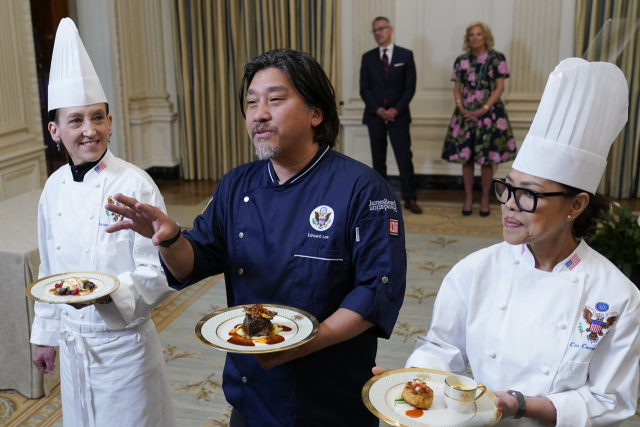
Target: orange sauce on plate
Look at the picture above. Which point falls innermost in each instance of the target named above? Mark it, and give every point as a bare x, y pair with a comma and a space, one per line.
414, 413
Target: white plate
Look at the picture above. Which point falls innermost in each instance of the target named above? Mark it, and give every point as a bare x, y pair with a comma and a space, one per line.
39, 290
213, 329
378, 395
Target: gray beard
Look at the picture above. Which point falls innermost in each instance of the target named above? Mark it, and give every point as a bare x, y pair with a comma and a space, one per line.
264, 152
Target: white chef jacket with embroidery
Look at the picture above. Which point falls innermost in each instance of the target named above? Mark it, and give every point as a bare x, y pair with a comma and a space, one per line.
570, 335
110, 353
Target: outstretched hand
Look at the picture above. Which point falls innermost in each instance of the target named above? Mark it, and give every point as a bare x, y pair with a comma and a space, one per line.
146, 220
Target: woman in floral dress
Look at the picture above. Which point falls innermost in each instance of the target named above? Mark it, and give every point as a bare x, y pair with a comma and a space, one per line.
479, 130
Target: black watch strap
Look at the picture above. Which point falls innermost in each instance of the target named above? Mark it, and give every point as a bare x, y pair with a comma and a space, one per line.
171, 241
522, 405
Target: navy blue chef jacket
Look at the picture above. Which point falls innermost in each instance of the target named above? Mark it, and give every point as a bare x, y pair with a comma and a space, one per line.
261, 235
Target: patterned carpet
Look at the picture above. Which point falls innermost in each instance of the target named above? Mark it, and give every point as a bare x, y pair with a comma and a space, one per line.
436, 240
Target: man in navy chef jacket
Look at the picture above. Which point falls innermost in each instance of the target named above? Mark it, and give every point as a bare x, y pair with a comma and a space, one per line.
306, 227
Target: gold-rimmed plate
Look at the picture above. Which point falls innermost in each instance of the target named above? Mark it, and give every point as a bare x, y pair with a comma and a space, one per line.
214, 328
378, 394
40, 289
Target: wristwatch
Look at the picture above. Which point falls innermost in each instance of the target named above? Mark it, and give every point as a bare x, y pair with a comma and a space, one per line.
171, 241
522, 405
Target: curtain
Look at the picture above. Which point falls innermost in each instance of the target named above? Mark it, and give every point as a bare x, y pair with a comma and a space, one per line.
621, 178
212, 41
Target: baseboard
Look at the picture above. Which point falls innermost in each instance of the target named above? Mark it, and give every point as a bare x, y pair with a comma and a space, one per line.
437, 182
164, 172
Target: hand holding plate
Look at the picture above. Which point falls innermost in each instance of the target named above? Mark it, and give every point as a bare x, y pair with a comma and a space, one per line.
146, 220
270, 360
507, 403
377, 370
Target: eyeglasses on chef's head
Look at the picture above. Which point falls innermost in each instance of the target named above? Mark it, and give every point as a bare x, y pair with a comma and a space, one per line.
526, 199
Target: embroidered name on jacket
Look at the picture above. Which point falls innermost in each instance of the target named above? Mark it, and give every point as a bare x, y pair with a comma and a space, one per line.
382, 205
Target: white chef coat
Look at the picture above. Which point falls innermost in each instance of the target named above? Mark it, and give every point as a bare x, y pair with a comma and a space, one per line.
520, 328
110, 355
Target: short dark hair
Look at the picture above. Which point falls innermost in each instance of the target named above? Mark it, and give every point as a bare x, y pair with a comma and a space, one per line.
585, 224
380, 18
309, 79
54, 114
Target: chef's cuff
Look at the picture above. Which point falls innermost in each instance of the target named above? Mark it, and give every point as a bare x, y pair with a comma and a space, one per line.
373, 306
44, 337
422, 359
201, 267
571, 409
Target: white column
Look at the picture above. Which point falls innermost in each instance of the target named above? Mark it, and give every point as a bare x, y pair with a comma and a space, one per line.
22, 160
130, 44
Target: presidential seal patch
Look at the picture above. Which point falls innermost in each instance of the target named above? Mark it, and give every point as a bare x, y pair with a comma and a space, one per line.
321, 218
111, 216
599, 320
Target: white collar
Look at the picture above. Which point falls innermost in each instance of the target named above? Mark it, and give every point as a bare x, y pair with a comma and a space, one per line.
570, 263
389, 51
99, 169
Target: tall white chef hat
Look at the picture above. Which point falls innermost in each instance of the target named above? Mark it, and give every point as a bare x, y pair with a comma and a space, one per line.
73, 81
582, 110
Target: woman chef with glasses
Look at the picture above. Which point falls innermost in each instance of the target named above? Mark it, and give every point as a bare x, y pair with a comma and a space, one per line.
547, 323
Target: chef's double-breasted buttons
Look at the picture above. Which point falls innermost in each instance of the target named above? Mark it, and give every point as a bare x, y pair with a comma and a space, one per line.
59, 213
63, 181
244, 379
545, 370
516, 262
90, 216
562, 325
502, 307
385, 279
241, 235
492, 354
86, 250
240, 271
81, 316
246, 199
57, 246
97, 185
64, 313
574, 279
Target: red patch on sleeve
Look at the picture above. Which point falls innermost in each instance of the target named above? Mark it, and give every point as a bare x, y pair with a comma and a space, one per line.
394, 228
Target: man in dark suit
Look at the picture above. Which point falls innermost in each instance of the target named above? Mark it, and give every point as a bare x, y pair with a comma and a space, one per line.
387, 84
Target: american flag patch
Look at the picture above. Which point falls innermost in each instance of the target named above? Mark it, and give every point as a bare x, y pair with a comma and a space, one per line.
572, 262
101, 166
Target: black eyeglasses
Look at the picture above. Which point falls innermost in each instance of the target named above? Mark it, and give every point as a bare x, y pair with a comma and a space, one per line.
375, 30
527, 200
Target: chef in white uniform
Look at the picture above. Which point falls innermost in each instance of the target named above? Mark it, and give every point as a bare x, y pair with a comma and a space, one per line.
547, 323
112, 366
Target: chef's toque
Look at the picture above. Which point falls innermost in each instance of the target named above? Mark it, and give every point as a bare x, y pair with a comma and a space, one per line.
583, 109
73, 81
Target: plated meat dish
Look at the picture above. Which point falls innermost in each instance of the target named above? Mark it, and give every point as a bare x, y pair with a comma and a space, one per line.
257, 326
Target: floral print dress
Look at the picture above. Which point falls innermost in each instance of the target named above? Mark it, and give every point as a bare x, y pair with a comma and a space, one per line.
490, 140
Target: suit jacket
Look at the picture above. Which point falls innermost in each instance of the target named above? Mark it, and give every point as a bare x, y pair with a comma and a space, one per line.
398, 88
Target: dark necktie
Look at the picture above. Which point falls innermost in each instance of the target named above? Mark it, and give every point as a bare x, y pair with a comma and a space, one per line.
385, 63
385, 68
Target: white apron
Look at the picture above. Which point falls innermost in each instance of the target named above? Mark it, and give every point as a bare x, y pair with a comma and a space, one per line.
112, 365
525, 329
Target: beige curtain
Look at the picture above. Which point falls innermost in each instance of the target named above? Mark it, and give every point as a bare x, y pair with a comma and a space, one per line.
212, 41
621, 178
